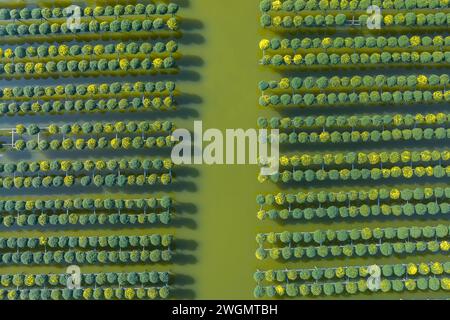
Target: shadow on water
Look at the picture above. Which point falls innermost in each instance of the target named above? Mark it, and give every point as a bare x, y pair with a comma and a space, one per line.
185, 208
191, 61
104, 153
188, 24
183, 222
180, 286
185, 245
184, 259
188, 75
191, 38
187, 172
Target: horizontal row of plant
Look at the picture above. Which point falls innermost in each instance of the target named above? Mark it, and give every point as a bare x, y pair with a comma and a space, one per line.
85, 219
359, 42
356, 59
341, 20
353, 5
345, 287
89, 293
86, 242
88, 106
416, 134
397, 120
77, 166
56, 12
353, 272
372, 158
337, 83
97, 180
321, 237
126, 143
89, 90
100, 279
83, 128
365, 174
344, 98
30, 32
64, 52
376, 196
84, 204
373, 248
84, 257
66, 68
354, 211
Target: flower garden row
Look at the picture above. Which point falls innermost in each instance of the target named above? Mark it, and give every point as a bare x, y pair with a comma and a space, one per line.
373, 158
100, 279
31, 32
63, 51
344, 98
101, 285
104, 242
354, 136
404, 210
352, 280
97, 180
356, 242
369, 249
321, 237
356, 20
90, 293
85, 219
125, 143
365, 174
84, 204
88, 106
383, 82
353, 272
98, 11
385, 121
377, 196
89, 90
329, 5
359, 42
406, 58
97, 128
66, 68
75, 166
83, 257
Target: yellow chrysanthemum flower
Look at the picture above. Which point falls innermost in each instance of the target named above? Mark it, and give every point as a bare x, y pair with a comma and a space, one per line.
415, 41
276, 5
264, 44
422, 80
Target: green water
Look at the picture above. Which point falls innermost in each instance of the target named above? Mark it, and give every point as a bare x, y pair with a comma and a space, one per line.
217, 211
